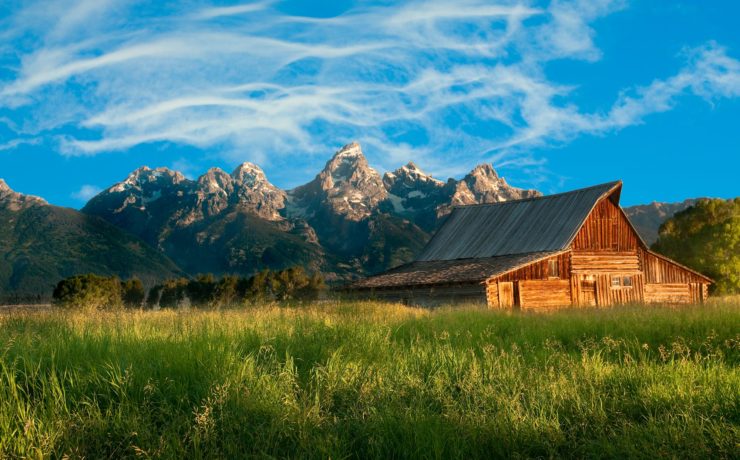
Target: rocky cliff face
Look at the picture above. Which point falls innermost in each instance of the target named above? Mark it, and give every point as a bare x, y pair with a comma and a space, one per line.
246, 189
255, 194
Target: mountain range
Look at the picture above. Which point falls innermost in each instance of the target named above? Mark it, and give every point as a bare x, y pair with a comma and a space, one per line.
348, 221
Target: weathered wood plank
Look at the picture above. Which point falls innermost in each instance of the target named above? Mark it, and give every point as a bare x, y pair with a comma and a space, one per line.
544, 293
667, 293
606, 229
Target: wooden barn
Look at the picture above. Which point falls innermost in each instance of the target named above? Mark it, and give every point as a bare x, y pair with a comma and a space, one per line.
576, 248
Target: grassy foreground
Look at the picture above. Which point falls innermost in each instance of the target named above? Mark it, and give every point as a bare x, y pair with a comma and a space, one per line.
371, 380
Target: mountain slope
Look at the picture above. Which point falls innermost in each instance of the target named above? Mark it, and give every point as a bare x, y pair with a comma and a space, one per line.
41, 244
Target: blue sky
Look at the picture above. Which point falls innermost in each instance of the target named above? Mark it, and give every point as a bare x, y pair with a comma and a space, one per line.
557, 95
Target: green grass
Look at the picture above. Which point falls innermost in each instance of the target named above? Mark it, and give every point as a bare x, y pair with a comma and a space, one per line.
372, 380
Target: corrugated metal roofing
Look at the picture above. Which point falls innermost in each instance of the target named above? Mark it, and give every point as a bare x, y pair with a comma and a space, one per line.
448, 271
542, 224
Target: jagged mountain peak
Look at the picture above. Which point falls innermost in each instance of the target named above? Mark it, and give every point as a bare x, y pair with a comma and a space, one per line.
144, 175
410, 175
353, 149
145, 172
216, 180
348, 164
347, 185
485, 170
3, 186
249, 174
483, 185
256, 194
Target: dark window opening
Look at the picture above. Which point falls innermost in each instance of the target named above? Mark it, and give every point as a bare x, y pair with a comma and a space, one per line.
627, 281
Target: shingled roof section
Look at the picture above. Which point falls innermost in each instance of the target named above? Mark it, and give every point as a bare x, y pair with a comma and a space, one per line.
533, 225
448, 271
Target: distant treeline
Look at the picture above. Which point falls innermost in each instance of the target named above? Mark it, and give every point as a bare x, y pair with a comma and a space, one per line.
95, 292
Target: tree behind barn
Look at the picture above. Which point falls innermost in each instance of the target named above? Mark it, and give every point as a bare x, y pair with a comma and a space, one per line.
706, 237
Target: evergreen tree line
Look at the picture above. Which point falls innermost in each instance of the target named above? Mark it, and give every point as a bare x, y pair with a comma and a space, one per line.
95, 292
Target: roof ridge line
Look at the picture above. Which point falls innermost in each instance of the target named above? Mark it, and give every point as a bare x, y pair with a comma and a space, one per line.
520, 200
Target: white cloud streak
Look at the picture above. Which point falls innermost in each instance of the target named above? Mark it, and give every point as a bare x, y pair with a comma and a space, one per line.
218, 12
86, 192
15, 143
445, 83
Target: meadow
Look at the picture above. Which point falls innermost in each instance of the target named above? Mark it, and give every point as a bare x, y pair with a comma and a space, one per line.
349, 380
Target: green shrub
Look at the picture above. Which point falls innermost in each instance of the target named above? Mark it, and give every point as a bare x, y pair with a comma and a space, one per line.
89, 292
132, 293
206, 291
202, 290
152, 298
174, 293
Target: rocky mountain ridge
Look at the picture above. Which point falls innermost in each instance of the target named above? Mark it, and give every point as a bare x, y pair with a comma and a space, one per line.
349, 220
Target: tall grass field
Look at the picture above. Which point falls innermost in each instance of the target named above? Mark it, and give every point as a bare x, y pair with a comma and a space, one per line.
359, 380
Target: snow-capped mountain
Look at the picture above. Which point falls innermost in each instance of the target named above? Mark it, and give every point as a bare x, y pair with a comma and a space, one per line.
219, 222
416, 195
348, 220
347, 186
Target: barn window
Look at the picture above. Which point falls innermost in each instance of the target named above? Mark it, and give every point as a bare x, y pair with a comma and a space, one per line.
627, 281
616, 281
553, 269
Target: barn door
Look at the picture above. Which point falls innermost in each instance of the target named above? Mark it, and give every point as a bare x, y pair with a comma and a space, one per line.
506, 294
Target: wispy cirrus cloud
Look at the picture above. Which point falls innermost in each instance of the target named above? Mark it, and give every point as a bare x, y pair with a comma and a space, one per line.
13, 143
446, 81
222, 11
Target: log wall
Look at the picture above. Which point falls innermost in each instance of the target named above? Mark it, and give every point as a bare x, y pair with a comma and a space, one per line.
605, 262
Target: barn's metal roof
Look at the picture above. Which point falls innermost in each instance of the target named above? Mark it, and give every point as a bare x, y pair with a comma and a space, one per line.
437, 272
542, 224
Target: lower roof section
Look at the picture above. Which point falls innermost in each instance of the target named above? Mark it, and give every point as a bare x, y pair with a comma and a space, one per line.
423, 273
